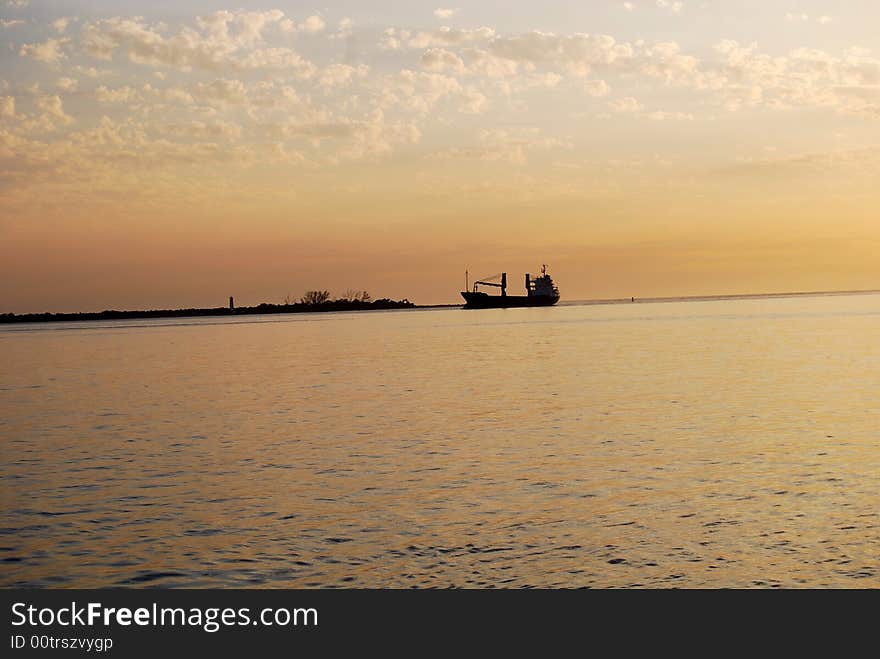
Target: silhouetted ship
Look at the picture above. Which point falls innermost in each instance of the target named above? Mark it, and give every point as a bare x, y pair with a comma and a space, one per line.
540, 292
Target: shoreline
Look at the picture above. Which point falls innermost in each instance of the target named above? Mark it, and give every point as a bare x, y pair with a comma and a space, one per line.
378, 305
260, 309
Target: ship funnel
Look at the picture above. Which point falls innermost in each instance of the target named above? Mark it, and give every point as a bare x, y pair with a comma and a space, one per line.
528, 282
503, 283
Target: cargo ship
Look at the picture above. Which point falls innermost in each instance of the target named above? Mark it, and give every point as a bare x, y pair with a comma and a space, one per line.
540, 292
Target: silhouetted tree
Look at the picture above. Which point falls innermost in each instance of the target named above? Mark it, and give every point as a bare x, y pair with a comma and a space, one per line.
352, 295
315, 297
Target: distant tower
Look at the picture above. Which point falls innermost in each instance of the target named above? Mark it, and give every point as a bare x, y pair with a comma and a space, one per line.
231, 304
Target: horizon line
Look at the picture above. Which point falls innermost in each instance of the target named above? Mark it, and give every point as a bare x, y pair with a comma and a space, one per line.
575, 302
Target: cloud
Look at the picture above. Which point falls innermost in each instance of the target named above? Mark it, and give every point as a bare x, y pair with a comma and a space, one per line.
627, 105
480, 62
311, 25
341, 75
49, 51
441, 60
5, 23
67, 84
344, 29
200, 130
633, 107
662, 115
60, 25
350, 138
220, 41
314, 24
580, 54
398, 39
443, 13
482, 52
628, 6
503, 145
223, 91
420, 91
17, 4
90, 71
672, 5
249, 96
596, 88
7, 106
123, 94
804, 77
53, 114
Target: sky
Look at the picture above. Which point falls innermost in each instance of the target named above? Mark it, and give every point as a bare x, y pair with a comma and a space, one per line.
171, 154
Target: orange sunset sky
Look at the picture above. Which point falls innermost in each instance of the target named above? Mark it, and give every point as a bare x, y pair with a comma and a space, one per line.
170, 154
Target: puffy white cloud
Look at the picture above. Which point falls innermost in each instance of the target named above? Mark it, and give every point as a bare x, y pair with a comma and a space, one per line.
595, 87
627, 105
397, 39
314, 24
223, 91
483, 63
200, 130
67, 84
350, 138
420, 91
340, 75
262, 99
17, 4
440, 60
549, 80
804, 77
7, 106
280, 59
221, 41
60, 25
672, 5
444, 13
581, 53
53, 113
634, 108
236, 29
344, 29
472, 101
482, 52
124, 94
90, 71
4, 23
661, 115
50, 51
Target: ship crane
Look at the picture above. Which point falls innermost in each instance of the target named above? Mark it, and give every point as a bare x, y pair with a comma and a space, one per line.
485, 282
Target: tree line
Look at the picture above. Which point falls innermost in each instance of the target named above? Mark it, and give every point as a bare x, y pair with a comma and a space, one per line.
351, 300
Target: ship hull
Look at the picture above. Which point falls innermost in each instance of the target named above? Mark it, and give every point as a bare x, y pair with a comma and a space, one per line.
485, 301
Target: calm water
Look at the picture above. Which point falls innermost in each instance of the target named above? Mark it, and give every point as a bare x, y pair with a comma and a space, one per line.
722, 443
